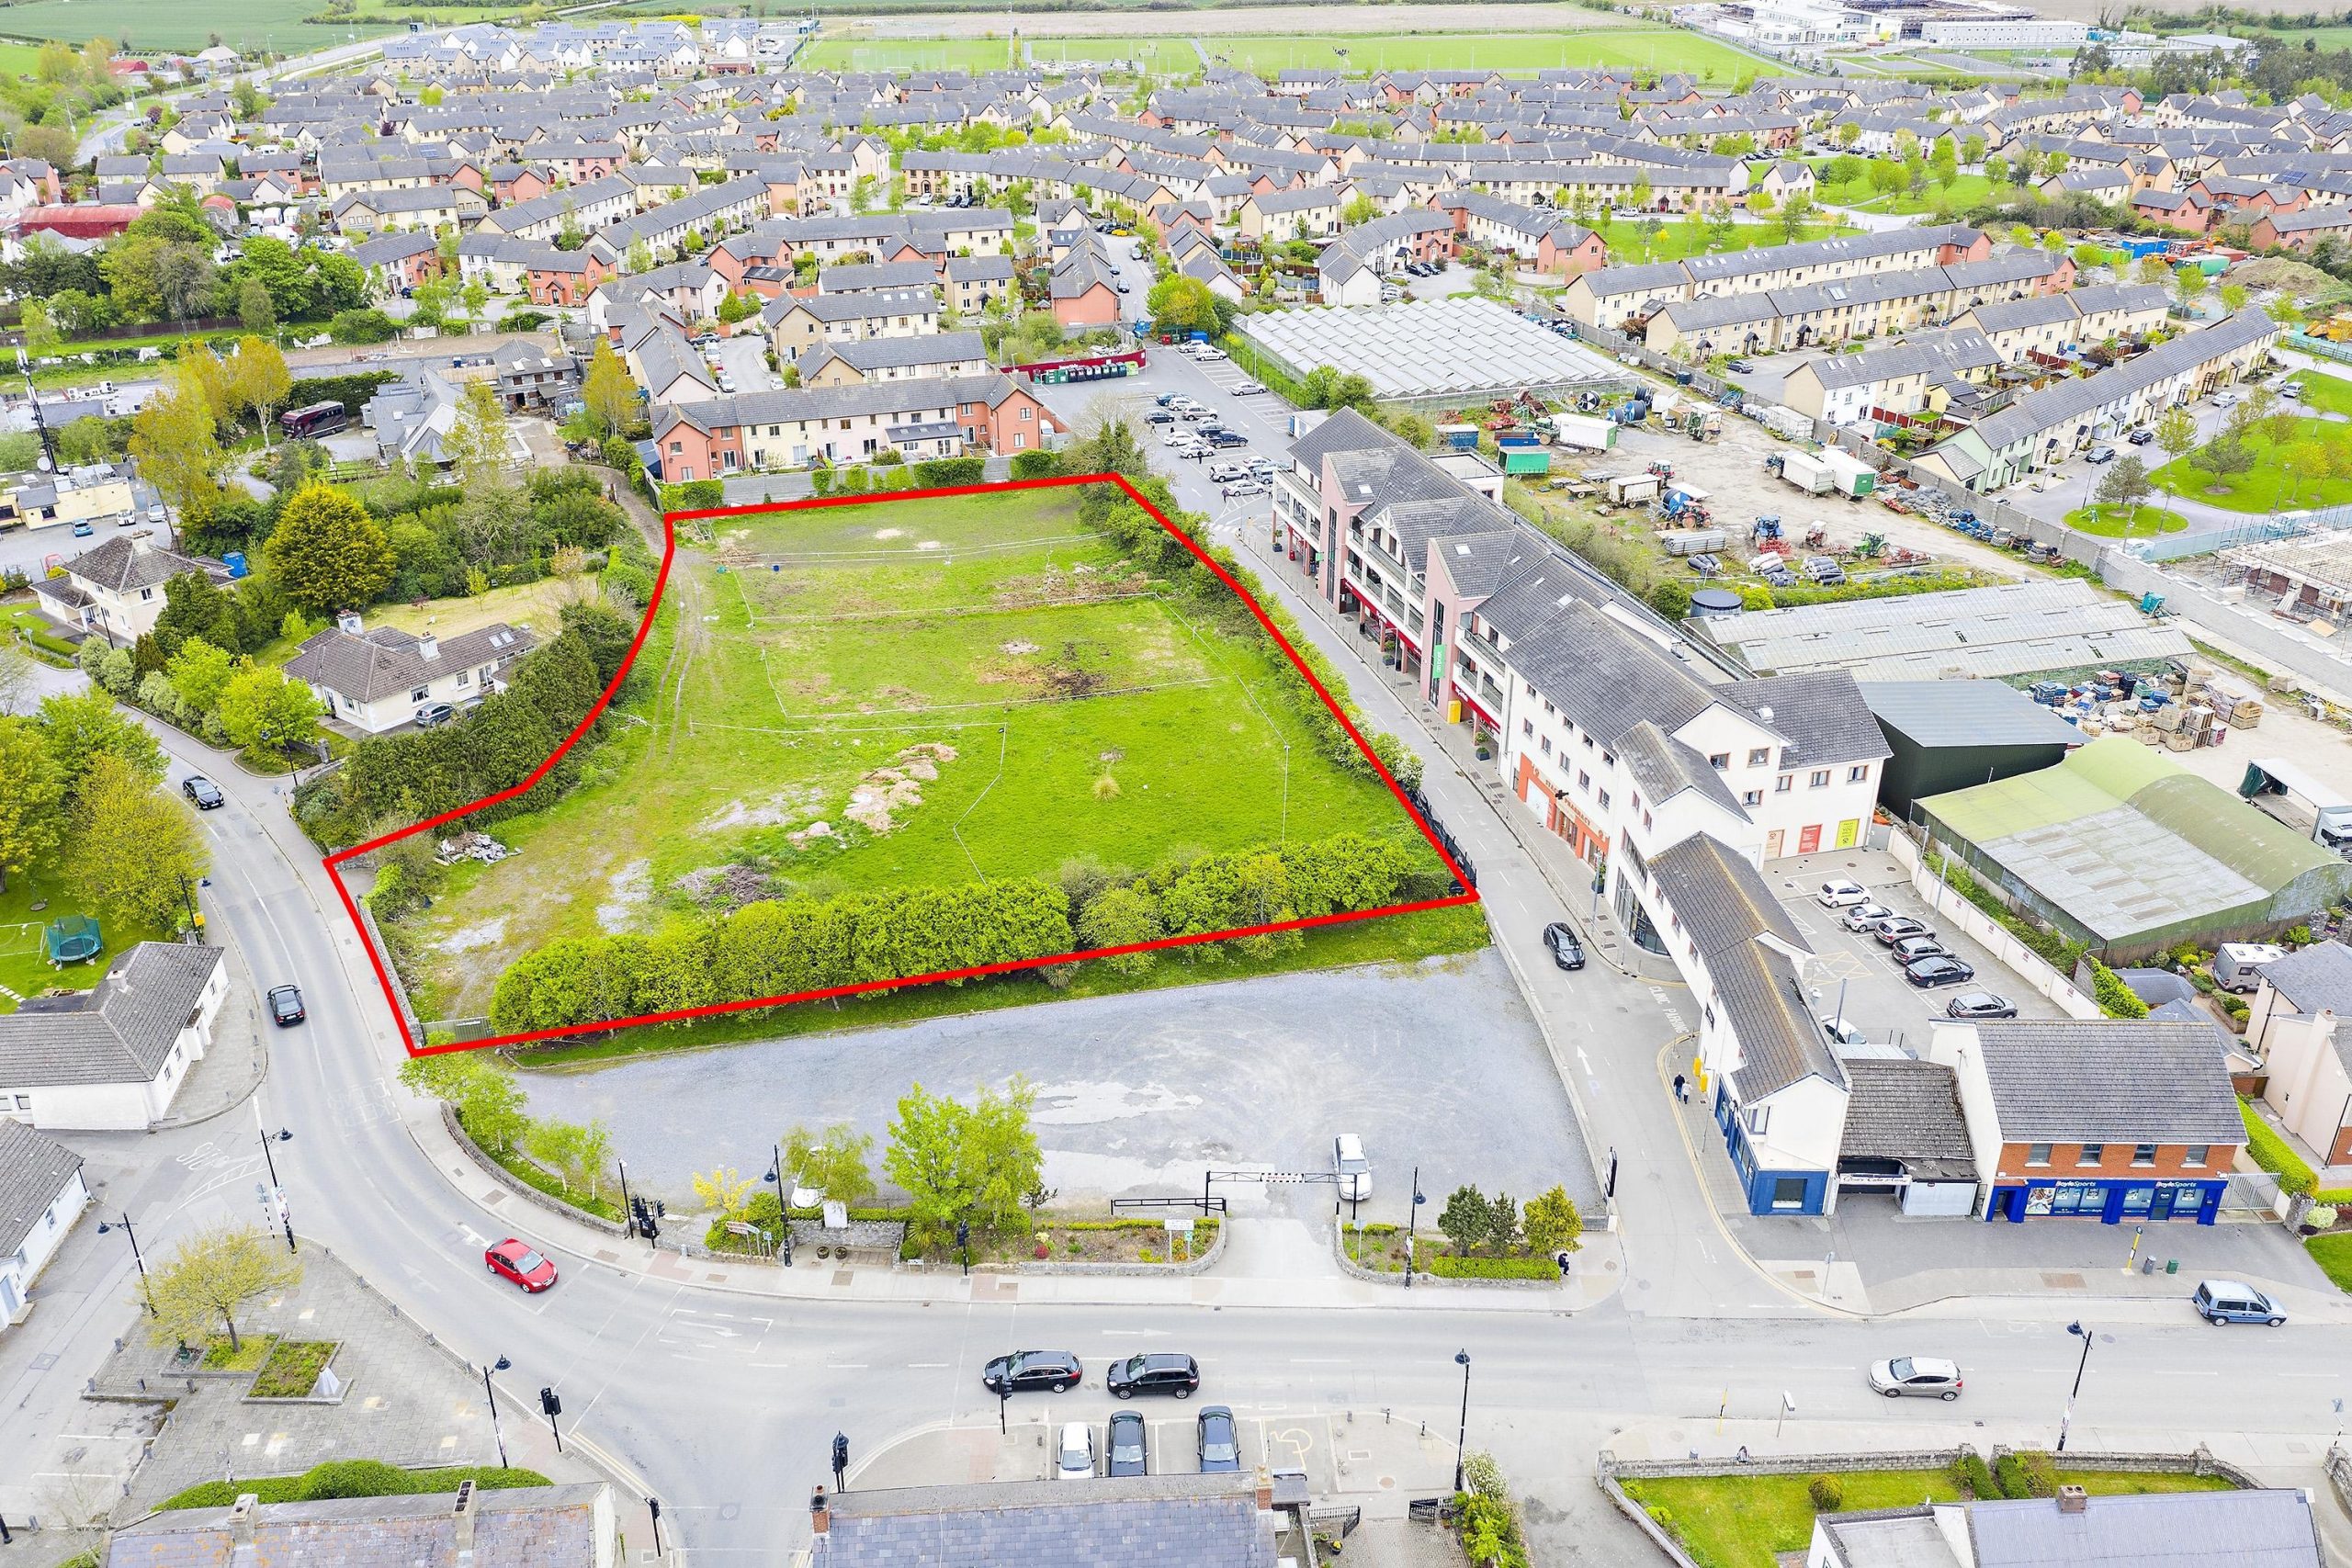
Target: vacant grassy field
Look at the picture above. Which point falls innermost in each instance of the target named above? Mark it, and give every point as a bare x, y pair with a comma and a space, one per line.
1517, 54
242, 24
913, 692
906, 54
534, 604
2281, 480
1742, 1522
1629, 243
1966, 191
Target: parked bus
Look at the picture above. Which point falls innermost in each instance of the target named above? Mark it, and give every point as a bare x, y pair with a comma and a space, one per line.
319, 419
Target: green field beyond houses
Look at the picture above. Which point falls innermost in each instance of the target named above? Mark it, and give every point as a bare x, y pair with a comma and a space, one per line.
1593, 44
183, 26
919, 693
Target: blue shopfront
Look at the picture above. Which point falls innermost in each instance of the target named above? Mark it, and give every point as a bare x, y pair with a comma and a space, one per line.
1768, 1191
2111, 1202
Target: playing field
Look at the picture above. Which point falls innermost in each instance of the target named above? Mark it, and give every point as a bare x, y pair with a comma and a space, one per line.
907, 54
925, 692
1522, 53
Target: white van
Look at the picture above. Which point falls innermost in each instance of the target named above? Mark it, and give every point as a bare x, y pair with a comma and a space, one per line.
2237, 966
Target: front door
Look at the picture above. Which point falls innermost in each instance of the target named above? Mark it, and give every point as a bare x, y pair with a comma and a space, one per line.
1773, 842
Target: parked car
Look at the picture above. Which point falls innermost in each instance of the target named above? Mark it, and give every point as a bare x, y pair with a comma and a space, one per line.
1861, 917
82, 529
2224, 1301
1841, 895
1210, 356
1842, 1030
1166, 398
1354, 1170
1248, 389
1917, 1377
1130, 1444
2226, 399
1226, 440
1074, 1455
1219, 1444
2141, 437
1942, 969
1980, 1004
1566, 950
1244, 486
1159, 416
1740, 366
520, 1262
2101, 455
1224, 473
203, 791
1916, 947
1895, 928
1024, 1371
285, 1005
1157, 1371
434, 714
1197, 412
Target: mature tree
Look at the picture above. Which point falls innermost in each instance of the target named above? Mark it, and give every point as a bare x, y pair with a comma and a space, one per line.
477, 443
1359, 209
208, 1278
21, 679
2233, 297
1997, 170
1644, 192
2188, 282
2125, 486
1552, 1222
80, 727
199, 672
610, 395
831, 1162
488, 1101
1467, 1220
32, 797
1183, 304
1502, 1224
42, 336
1971, 149
258, 380
135, 848
576, 1152
328, 552
2153, 269
723, 1191
254, 311
2225, 456
1796, 213
173, 437
1110, 449
2176, 431
261, 706
194, 608
971, 1162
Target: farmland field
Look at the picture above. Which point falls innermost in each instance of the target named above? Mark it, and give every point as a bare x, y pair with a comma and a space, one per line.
139, 25
907, 54
919, 694
1662, 49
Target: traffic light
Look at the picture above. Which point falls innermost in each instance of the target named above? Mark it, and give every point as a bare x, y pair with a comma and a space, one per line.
550, 1405
963, 1233
840, 1457
643, 1217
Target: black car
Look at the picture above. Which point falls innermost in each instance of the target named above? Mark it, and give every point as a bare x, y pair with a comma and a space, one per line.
1159, 416
203, 791
1566, 950
1160, 1372
1940, 970
286, 1004
1024, 1371
1220, 1445
1165, 399
2141, 437
1130, 1445
1980, 1004
1228, 438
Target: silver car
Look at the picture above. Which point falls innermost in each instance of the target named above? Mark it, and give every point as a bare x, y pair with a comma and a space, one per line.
1921, 1376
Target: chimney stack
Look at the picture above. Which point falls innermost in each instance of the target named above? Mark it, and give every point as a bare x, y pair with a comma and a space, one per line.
2073, 1500
240, 1519
821, 1513
428, 648
463, 1515
1265, 1489
349, 624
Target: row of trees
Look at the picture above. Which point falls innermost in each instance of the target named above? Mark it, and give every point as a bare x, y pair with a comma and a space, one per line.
226, 697
494, 1112
78, 787
1473, 1222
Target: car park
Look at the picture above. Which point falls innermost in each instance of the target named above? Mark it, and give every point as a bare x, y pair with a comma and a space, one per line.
1895, 928
1980, 1004
1942, 969
1353, 1170
1218, 1444
1026, 1371
202, 792
1916, 947
520, 1262
1074, 1454
1841, 895
285, 1005
1861, 917
1561, 942
1129, 1450
1917, 1377
2223, 1301
1157, 1371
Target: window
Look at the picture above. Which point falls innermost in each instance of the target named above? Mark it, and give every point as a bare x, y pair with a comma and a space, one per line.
1584, 780
1544, 745
1720, 762
24, 1102
2093, 1154
2144, 1153
2037, 1154
2196, 1156
146, 593
1604, 800
1760, 1117
1752, 797
1820, 779
1759, 756
464, 677
1527, 726
1858, 773
419, 694
1784, 783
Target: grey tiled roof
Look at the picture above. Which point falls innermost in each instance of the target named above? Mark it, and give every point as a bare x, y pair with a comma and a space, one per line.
1663, 767
2183, 1529
117, 1034
899, 353
121, 565
33, 1169
380, 663
531, 1526
1908, 1111
1183, 1521
1605, 678
1820, 713
2108, 1080
2316, 977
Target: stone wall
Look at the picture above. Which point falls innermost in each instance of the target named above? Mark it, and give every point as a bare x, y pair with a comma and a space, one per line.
515, 1184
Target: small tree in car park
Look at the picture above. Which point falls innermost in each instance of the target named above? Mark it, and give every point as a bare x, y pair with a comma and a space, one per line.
831, 1162
1502, 1224
1552, 1222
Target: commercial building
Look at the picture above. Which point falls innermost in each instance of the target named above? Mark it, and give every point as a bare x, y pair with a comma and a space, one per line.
1200, 1521
1431, 355
1947, 735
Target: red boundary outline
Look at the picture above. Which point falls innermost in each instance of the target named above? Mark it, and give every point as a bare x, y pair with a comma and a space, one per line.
668, 555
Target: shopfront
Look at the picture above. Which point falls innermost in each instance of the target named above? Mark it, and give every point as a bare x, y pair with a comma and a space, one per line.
2114, 1203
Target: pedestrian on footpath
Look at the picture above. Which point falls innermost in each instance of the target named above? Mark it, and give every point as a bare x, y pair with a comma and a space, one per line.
1681, 1097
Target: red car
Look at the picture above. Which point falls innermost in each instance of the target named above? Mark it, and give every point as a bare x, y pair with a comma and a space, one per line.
519, 1261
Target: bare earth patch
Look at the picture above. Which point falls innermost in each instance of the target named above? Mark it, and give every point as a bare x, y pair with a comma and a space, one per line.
489, 933
774, 811
632, 889
895, 787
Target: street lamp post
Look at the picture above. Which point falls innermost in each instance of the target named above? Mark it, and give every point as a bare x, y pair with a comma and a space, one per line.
491, 1395
1462, 1434
285, 1215
2067, 1420
783, 1206
137, 1256
1412, 1225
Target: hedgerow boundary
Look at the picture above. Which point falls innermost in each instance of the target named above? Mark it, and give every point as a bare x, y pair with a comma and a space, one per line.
402, 1015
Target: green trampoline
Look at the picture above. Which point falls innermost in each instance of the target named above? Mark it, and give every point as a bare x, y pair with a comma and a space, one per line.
72, 940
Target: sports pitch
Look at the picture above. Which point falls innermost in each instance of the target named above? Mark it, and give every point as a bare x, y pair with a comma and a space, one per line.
919, 692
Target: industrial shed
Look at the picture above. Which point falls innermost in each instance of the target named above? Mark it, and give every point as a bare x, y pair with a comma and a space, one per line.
2120, 848
2018, 628
1431, 355
1947, 735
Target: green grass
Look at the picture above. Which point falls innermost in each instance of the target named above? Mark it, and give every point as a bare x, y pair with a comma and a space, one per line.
2332, 1253
290, 1488
1677, 238
18, 59
1591, 42
2277, 482
2329, 394
137, 25
2108, 522
870, 651
1742, 1522
1964, 192
975, 55
292, 1369
247, 1356
23, 969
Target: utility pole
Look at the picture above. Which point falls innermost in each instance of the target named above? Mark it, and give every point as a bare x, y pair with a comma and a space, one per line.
491, 1397
137, 1258
48, 442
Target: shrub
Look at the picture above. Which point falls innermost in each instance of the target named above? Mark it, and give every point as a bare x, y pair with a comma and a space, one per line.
1978, 1476
2273, 1153
693, 495
1828, 1494
2298, 936
1035, 465
2321, 1216
2114, 997
362, 326
354, 1478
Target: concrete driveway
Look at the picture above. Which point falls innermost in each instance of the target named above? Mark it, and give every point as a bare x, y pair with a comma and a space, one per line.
745, 359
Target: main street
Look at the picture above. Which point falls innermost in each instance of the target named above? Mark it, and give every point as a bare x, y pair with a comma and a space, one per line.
721, 1403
